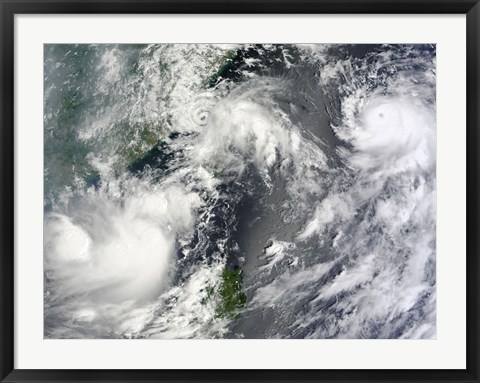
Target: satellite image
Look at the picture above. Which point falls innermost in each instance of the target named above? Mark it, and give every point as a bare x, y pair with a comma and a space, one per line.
240, 191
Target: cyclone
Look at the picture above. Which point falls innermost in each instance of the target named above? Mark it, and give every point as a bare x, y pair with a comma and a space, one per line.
241, 191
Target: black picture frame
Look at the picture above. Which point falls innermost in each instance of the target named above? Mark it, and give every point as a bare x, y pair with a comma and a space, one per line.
10, 8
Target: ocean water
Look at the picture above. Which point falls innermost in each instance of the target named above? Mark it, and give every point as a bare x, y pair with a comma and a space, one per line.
239, 191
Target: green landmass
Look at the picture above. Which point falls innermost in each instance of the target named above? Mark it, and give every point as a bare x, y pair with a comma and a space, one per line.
232, 296
223, 65
228, 295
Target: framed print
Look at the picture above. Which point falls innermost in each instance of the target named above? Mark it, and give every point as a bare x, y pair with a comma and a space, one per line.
239, 191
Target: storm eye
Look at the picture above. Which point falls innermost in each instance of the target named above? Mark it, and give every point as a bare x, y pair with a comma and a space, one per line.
380, 115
